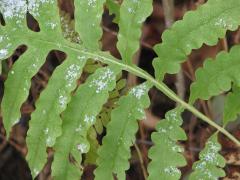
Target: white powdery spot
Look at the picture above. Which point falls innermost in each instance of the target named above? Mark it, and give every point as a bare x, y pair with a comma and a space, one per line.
223, 23
18, 8
142, 112
139, 91
201, 165
89, 119
172, 116
92, 3
51, 25
162, 130
83, 148
62, 101
131, 11
172, 170
103, 80
34, 5
72, 73
49, 141
213, 146
209, 157
13, 8
3, 53
81, 58
177, 148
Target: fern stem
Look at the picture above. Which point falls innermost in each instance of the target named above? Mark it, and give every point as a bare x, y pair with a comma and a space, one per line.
140, 73
168, 92
164, 89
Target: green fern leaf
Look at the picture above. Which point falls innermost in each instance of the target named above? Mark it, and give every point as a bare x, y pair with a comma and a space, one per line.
132, 15
78, 118
214, 78
45, 124
210, 165
115, 151
231, 106
166, 154
205, 25
88, 16
19, 78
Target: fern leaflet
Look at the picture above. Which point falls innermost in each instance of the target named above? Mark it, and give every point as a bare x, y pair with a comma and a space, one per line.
88, 16
214, 78
210, 165
231, 106
115, 151
197, 27
132, 15
78, 118
168, 132
45, 124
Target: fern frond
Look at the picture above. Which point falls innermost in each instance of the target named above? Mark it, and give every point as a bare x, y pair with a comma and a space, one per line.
45, 124
217, 75
166, 153
210, 165
115, 151
88, 16
19, 79
78, 118
231, 106
132, 15
205, 25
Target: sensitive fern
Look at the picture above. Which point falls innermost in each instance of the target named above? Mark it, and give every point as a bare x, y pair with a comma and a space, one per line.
69, 113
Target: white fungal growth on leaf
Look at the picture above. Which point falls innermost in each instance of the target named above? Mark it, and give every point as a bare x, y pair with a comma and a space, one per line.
92, 3
223, 23
34, 6
103, 80
62, 101
3, 53
139, 91
172, 170
13, 8
72, 73
49, 141
18, 8
89, 119
83, 148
